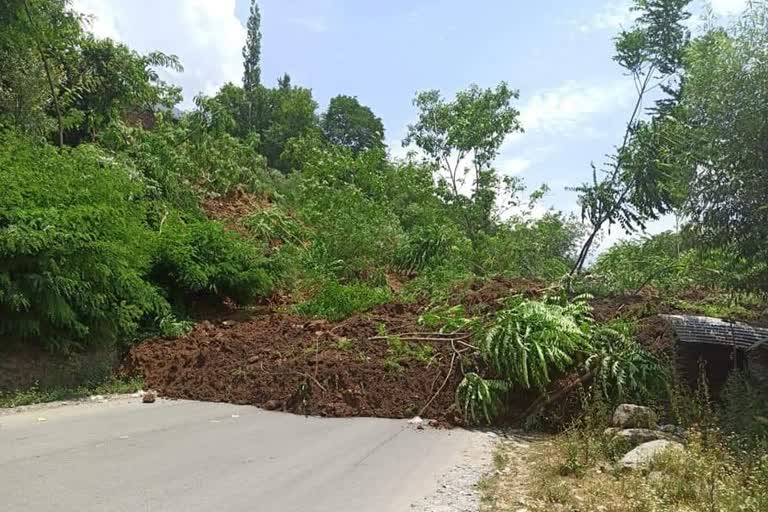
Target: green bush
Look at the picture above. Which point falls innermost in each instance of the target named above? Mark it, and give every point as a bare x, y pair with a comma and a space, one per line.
203, 259
336, 301
87, 258
74, 248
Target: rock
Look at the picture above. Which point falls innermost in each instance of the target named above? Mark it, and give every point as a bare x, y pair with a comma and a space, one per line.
149, 397
636, 436
634, 416
273, 405
674, 430
416, 420
645, 453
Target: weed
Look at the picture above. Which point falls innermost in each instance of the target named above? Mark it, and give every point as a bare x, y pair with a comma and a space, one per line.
345, 344
35, 395
403, 351
336, 301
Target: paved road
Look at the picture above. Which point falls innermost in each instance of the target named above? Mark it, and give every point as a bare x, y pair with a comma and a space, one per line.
122, 455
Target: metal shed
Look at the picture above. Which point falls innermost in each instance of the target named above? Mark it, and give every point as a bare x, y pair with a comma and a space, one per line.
722, 345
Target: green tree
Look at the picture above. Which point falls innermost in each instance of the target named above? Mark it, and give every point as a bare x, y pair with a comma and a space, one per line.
252, 50
352, 125
471, 128
724, 109
632, 188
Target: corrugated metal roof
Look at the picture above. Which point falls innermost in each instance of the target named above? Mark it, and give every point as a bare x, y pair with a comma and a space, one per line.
703, 329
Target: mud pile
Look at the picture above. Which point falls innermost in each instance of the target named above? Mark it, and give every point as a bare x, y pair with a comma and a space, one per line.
284, 362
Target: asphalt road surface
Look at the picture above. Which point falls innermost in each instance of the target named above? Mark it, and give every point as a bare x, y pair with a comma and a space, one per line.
122, 455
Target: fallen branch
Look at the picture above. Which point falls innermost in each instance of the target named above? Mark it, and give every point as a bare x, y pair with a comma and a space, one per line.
442, 386
544, 400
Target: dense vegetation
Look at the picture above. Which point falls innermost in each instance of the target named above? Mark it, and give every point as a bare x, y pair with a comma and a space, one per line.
108, 236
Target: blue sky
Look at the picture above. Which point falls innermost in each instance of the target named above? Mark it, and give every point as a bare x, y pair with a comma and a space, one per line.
573, 97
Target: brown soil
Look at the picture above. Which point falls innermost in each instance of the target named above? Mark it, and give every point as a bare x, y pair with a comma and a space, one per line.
284, 362
233, 208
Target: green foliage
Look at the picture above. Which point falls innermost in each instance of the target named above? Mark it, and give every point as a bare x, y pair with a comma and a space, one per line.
200, 260
472, 126
349, 124
335, 301
429, 246
636, 185
623, 369
35, 395
252, 50
274, 224
529, 339
480, 400
74, 249
87, 258
668, 262
352, 232
402, 351
726, 122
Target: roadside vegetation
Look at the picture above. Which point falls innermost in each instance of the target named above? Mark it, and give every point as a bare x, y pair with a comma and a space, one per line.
125, 219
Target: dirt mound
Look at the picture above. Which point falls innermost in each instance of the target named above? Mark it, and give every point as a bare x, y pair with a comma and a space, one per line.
285, 362
486, 295
233, 208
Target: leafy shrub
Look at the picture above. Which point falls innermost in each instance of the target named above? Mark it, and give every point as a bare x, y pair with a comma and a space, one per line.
480, 400
529, 338
528, 247
336, 301
353, 234
74, 249
429, 246
203, 258
623, 369
274, 224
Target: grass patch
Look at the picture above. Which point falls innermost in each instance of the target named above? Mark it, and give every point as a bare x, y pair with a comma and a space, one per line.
35, 395
336, 301
402, 351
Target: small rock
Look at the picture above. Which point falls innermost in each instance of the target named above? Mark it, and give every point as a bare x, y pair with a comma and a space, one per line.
97, 398
273, 405
433, 423
646, 452
674, 430
416, 420
149, 397
638, 436
634, 416
42, 419
235, 416
492, 434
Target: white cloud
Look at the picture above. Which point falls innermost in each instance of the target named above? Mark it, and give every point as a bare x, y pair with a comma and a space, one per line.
315, 24
611, 16
728, 7
568, 109
512, 166
205, 35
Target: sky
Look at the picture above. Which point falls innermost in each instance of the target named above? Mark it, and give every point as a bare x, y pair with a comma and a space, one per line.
574, 100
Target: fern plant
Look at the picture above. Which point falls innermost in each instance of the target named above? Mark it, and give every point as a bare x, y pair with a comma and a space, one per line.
622, 367
480, 400
531, 338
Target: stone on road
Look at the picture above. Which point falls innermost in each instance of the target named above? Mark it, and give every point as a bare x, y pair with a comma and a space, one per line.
122, 455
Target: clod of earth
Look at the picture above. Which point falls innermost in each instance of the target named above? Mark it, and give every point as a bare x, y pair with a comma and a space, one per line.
285, 362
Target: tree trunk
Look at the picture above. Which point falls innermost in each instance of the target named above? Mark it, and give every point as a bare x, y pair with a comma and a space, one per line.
54, 95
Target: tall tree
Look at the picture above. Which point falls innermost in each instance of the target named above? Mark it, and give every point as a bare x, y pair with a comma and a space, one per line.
630, 190
252, 50
724, 112
461, 138
352, 125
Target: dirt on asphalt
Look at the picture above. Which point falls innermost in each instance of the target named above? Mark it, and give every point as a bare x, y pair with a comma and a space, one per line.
281, 361
285, 362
